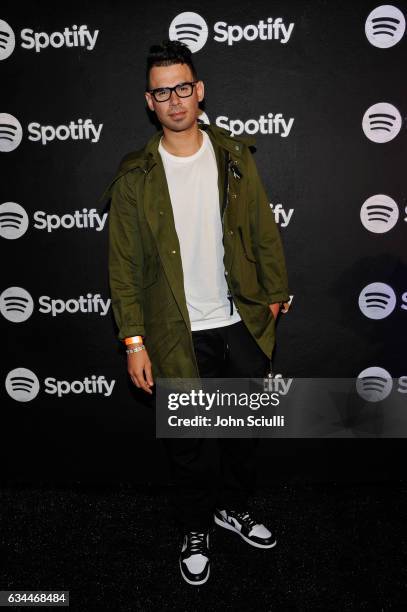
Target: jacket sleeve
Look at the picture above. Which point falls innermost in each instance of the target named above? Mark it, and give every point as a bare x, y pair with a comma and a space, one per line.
266, 239
125, 260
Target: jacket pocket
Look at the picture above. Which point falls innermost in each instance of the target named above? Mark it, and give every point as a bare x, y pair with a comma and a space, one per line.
247, 247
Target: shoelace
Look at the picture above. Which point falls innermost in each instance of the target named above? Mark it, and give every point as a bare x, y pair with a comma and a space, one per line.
197, 542
245, 518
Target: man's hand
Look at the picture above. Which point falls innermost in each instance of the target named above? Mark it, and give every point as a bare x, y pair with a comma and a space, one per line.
275, 308
139, 369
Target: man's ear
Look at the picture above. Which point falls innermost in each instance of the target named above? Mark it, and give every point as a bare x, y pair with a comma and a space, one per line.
200, 90
149, 100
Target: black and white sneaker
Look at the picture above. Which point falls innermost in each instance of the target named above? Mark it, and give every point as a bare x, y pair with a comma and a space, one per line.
249, 529
194, 558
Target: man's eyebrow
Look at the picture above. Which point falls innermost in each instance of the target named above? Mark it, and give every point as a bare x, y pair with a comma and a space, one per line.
169, 86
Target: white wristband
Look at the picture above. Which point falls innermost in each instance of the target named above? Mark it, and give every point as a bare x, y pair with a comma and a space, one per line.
136, 349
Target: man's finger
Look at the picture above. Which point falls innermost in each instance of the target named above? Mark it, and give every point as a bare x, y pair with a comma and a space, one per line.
149, 374
134, 378
285, 307
143, 383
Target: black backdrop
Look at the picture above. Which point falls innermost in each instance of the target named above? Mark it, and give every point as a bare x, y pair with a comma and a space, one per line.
324, 77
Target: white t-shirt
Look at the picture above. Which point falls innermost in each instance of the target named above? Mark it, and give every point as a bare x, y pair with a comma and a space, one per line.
193, 186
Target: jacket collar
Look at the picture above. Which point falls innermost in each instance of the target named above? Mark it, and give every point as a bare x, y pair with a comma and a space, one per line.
147, 158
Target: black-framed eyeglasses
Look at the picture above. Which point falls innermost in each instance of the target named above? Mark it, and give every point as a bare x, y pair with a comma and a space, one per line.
183, 90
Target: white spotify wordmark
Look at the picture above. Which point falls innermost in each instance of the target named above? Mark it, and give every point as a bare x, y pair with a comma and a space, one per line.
374, 384
379, 213
11, 132
191, 29
385, 26
22, 385
381, 122
377, 300
7, 40
16, 304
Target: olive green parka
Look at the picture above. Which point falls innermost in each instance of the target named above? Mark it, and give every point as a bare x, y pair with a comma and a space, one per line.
145, 267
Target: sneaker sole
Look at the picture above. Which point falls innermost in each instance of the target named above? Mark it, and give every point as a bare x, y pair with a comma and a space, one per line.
194, 582
227, 526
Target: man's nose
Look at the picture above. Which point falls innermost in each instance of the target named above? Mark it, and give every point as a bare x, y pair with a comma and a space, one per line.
174, 99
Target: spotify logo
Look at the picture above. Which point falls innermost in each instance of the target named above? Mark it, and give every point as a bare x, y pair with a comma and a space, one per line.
381, 122
70, 37
191, 29
16, 304
7, 40
22, 384
13, 220
377, 301
385, 26
374, 384
379, 214
11, 132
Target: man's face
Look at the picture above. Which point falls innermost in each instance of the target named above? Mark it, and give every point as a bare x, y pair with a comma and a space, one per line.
176, 114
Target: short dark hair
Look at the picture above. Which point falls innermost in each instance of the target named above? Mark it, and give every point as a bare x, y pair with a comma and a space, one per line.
168, 53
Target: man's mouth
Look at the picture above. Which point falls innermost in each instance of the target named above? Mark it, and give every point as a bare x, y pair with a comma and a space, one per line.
177, 114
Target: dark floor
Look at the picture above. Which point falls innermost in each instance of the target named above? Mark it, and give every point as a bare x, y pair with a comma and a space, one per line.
339, 548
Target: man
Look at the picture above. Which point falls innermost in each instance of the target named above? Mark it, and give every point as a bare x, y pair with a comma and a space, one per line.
197, 278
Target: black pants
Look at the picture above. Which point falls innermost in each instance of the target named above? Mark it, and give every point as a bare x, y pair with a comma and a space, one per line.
208, 472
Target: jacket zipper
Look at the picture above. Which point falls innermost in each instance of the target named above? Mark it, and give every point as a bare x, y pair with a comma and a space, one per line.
224, 206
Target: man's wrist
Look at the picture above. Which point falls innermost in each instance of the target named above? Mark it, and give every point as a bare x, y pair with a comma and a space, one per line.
132, 341
135, 348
